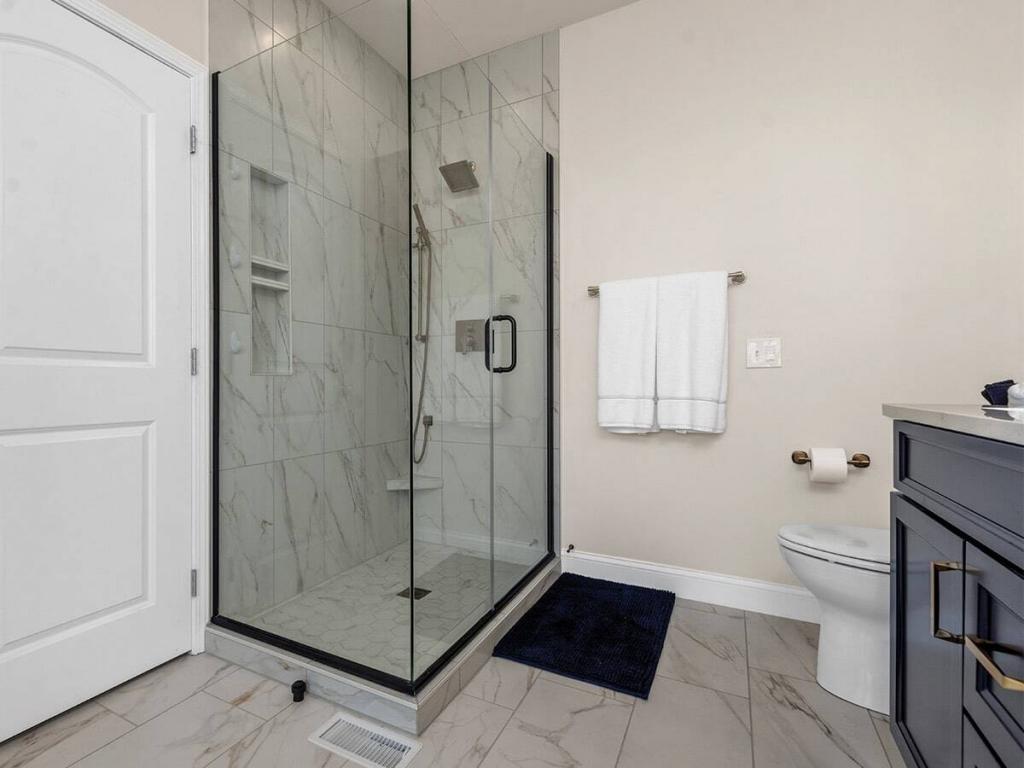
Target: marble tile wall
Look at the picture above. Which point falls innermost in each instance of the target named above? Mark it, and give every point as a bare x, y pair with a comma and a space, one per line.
505, 102
304, 457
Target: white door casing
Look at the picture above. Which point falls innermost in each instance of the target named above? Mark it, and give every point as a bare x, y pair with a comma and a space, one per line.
101, 437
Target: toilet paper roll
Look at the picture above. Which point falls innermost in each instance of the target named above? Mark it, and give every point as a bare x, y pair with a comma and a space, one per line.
828, 465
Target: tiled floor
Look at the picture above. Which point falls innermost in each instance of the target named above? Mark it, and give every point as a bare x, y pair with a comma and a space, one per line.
359, 616
733, 690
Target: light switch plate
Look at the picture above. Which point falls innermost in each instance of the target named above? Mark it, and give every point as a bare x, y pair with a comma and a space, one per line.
764, 353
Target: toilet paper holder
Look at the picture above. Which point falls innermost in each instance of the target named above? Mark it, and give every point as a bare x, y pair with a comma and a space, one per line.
859, 460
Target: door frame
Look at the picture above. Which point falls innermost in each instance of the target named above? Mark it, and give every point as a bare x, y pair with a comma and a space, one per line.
199, 264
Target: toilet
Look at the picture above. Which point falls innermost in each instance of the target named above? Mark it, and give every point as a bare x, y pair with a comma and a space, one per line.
847, 569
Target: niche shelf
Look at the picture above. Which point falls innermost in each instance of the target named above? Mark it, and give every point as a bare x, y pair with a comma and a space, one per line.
270, 274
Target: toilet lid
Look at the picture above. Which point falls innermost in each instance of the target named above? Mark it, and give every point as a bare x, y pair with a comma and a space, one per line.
869, 544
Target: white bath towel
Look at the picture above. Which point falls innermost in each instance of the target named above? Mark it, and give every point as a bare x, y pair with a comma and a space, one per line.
692, 352
626, 339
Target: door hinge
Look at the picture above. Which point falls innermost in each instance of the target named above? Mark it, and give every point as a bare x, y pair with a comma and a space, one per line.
194, 360
195, 583
193, 140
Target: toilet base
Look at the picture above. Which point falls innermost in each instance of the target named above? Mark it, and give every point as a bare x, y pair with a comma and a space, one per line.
853, 659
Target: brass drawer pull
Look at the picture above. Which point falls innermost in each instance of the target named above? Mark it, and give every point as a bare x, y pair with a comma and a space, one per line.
936, 567
977, 648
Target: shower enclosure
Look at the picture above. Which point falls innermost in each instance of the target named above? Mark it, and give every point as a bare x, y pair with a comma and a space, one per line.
384, 312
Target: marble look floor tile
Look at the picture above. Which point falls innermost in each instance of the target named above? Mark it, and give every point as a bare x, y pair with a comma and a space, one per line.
63, 740
597, 690
706, 649
254, 693
685, 726
462, 734
892, 752
561, 726
502, 682
193, 733
797, 724
782, 645
155, 692
697, 605
283, 742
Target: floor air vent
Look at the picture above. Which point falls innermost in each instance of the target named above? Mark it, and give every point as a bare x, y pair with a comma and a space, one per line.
365, 743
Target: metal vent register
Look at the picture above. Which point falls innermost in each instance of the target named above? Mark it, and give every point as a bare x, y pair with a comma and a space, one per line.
365, 743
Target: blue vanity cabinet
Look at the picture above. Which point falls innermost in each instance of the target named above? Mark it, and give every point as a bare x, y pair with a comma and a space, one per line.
957, 599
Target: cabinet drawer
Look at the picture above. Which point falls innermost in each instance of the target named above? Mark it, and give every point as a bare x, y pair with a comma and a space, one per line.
994, 653
983, 476
976, 752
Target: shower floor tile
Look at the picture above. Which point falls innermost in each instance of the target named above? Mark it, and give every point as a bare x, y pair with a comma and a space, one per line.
360, 616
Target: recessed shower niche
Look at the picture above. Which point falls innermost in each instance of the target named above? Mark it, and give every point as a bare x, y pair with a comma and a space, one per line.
270, 266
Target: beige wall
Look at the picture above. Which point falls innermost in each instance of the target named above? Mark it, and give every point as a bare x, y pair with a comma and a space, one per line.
182, 23
862, 161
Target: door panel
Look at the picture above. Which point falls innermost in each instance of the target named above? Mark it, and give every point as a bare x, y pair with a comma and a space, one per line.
95, 327
926, 709
994, 620
976, 752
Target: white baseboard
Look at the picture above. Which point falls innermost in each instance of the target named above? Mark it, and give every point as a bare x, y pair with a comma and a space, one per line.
731, 591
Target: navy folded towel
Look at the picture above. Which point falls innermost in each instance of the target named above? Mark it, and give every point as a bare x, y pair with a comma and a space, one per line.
995, 393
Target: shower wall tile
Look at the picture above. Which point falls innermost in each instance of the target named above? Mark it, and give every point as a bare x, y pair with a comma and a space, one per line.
246, 434
246, 510
344, 54
466, 276
520, 269
235, 244
387, 389
271, 332
347, 512
235, 34
516, 70
426, 101
520, 496
299, 398
383, 155
519, 183
466, 410
344, 389
550, 129
311, 43
246, 110
385, 88
298, 525
464, 91
466, 139
306, 234
387, 527
550, 45
426, 180
294, 16
531, 112
345, 288
467, 492
344, 145
387, 279
428, 504
298, 117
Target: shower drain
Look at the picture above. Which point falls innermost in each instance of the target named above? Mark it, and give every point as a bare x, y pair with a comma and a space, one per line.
417, 594
365, 743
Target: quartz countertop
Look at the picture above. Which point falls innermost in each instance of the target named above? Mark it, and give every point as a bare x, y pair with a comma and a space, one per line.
1006, 424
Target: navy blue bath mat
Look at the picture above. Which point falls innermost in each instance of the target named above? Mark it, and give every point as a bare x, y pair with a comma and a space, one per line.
596, 631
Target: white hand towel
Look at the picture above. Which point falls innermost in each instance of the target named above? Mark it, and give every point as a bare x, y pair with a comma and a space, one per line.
692, 351
625, 356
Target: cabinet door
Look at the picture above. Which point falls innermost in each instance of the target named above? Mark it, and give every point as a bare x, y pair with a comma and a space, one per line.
976, 752
994, 658
927, 610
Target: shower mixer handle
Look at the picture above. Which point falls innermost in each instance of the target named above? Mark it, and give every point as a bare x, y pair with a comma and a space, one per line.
487, 344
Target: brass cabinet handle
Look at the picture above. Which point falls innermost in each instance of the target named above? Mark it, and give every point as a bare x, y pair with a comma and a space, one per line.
977, 648
935, 568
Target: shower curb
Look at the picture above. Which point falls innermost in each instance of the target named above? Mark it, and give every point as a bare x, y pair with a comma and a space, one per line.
411, 714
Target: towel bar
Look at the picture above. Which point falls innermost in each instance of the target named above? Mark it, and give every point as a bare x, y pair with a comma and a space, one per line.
735, 278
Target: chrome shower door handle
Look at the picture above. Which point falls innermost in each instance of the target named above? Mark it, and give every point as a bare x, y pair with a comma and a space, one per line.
487, 344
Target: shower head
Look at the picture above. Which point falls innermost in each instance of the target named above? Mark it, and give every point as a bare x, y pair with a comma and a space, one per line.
460, 176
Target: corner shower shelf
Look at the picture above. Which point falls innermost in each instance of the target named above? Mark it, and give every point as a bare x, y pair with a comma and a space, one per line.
269, 265
421, 483
266, 282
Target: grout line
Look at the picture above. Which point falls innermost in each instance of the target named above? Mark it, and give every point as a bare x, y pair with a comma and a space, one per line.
625, 733
750, 691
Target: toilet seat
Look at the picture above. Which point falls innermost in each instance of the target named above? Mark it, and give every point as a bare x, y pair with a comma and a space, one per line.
849, 545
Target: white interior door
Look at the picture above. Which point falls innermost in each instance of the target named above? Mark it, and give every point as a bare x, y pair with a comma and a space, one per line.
94, 362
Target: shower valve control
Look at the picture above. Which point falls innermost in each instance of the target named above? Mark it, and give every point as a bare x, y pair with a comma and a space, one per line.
469, 336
